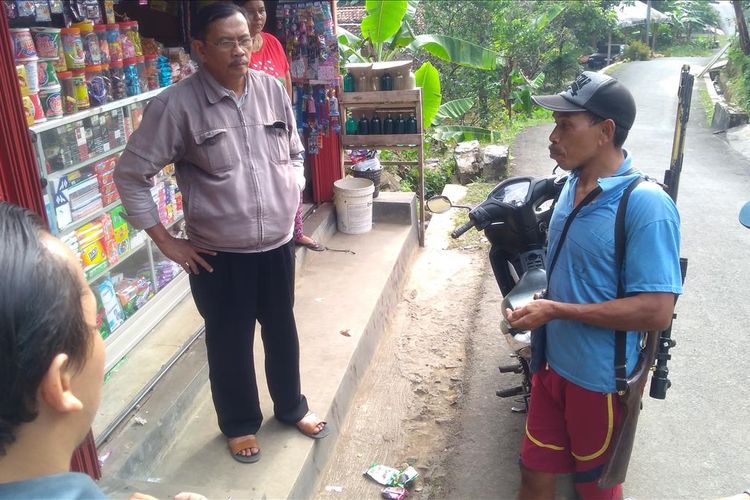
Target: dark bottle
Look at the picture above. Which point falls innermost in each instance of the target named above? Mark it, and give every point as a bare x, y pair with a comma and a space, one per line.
364, 125
348, 82
351, 125
388, 124
375, 125
386, 82
400, 124
411, 125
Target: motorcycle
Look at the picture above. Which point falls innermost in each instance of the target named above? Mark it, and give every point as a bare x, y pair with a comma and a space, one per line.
515, 219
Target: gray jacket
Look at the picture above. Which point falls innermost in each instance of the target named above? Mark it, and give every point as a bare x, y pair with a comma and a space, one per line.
238, 162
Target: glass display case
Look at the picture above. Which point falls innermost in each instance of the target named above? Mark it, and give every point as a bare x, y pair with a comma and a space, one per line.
134, 284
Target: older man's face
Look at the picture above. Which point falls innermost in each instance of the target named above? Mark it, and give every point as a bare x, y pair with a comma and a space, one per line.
226, 64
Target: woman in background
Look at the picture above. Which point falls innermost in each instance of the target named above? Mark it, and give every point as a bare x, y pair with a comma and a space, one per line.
267, 55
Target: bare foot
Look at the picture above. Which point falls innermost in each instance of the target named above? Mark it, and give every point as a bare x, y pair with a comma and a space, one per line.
305, 240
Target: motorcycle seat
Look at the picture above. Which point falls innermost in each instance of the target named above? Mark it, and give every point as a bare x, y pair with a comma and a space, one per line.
531, 283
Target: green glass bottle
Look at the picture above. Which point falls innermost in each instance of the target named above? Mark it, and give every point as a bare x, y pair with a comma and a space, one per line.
400, 124
348, 82
388, 124
351, 125
411, 125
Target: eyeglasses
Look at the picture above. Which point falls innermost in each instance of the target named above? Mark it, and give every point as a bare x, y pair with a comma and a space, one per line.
227, 44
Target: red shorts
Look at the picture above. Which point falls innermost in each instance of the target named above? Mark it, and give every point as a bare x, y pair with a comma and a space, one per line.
570, 429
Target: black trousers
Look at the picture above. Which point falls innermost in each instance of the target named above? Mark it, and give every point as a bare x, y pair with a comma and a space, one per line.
243, 288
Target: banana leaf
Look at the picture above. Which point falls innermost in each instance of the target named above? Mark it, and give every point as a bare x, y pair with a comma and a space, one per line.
383, 19
464, 133
347, 37
456, 51
428, 79
454, 110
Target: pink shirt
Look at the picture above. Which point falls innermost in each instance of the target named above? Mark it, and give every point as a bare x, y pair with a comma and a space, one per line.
271, 58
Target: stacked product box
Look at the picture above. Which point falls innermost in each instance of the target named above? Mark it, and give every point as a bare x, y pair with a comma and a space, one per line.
104, 174
73, 143
133, 293
76, 197
92, 248
113, 312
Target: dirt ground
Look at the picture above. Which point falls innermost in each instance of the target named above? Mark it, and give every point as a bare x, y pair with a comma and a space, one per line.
407, 403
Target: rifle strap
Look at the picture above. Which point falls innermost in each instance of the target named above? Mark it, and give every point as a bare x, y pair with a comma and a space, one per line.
621, 374
588, 199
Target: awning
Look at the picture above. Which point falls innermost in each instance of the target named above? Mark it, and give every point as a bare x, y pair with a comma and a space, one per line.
631, 15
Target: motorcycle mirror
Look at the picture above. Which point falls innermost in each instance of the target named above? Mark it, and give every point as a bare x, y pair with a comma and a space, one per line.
439, 204
745, 215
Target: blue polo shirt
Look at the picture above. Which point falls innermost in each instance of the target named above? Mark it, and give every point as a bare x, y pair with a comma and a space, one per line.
585, 270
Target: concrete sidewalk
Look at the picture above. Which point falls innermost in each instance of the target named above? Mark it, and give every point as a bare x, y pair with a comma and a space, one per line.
343, 301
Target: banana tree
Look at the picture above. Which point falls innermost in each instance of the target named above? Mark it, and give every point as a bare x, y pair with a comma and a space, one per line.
387, 34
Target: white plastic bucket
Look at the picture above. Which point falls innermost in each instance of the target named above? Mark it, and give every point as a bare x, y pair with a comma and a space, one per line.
353, 199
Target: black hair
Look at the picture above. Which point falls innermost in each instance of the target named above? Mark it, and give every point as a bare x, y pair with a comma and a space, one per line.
621, 133
210, 13
40, 316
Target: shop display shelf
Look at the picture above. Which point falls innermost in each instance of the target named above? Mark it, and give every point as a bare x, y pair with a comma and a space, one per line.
385, 141
127, 255
137, 326
50, 124
77, 224
60, 173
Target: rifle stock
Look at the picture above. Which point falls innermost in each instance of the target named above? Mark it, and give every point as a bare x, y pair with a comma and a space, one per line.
617, 466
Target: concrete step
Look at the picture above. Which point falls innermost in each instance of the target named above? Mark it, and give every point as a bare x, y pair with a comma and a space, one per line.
179, 446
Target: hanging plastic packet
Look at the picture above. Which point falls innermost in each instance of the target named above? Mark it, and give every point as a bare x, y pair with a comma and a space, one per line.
381, 474
394, 493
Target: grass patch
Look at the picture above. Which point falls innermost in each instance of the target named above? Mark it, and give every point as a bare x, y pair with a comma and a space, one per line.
477, 193
707, 103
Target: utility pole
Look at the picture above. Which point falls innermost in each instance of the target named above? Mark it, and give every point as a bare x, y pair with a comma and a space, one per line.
648, 21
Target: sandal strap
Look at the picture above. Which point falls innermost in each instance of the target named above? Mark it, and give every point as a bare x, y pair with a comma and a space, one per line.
245, 443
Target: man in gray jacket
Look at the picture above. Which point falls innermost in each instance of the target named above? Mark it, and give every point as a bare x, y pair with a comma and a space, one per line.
232, 135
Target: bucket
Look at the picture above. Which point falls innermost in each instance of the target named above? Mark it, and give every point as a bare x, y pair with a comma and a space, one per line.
353, 199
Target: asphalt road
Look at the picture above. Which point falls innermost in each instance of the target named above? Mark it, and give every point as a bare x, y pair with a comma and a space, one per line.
694, 444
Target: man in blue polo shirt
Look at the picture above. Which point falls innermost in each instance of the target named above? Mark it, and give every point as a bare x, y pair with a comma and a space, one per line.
574, 412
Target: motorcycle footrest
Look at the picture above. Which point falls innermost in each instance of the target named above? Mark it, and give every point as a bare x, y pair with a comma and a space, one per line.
513, 391
516, 368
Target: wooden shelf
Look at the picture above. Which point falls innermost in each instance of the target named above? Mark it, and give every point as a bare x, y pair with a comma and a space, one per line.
384, 141
409, 101
382, 97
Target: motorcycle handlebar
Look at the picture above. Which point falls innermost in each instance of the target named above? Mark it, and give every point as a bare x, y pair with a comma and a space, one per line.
462, 229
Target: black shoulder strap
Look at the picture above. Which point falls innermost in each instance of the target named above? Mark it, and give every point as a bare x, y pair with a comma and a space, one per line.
589, 197
621, 373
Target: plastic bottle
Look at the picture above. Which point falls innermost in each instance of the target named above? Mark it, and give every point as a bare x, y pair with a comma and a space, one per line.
101, 36
118, 80
140, 62
388, 125
152, 77
400, 127
364, 125
411, 125
113, 41
80, 88
351, 125
96, 87
132, 81
349, 85
375, 128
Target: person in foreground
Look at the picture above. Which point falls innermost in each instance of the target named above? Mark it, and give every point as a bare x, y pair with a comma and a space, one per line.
51, 362
232, 136
574, 409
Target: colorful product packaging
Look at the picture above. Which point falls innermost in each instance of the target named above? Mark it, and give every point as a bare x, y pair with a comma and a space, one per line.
51, 100
46, 75
112, 308
46, 42
23, 44
73, 48
23, 86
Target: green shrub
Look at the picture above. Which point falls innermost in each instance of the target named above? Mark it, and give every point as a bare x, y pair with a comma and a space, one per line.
638, 51
435, 179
